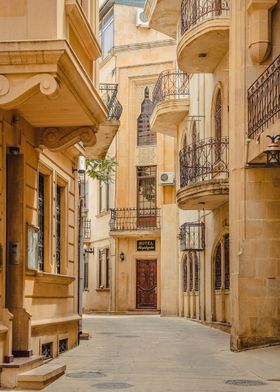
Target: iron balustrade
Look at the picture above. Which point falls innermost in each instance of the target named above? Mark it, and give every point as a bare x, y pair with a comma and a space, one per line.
194, 12
109, 93
264, 100
206, 159
132, 219
171, 84
86, 228
192, 236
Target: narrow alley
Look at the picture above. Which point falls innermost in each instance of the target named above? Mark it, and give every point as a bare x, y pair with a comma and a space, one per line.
150, 353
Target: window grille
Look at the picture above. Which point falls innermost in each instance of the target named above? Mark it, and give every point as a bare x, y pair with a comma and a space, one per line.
86, 257
47, 350
58, 228
218, 267
100, 257
196, 258
63, 345
41, 220
107, 268
218, 125
186, 275
227, 262
191, 271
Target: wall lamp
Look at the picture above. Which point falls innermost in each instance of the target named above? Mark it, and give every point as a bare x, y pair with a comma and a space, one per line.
82, 166
122, 256
89, 250
272, 152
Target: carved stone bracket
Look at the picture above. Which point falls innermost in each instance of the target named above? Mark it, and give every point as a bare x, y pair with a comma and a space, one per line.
13, 93
57, 139
260, 29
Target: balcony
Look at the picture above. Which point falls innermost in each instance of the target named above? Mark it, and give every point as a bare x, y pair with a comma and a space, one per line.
86, 229
133, 222
163, 15
204, 171
205, 35
171, 102
192, 236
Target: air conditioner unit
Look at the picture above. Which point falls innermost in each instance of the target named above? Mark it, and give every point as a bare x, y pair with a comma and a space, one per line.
167, 178
141, 20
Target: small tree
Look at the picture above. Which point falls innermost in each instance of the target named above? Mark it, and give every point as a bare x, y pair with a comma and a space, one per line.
102, 169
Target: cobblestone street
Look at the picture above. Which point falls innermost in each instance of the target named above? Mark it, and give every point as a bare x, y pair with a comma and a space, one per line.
149, 353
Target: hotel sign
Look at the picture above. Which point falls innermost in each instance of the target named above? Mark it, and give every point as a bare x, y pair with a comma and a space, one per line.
146, 245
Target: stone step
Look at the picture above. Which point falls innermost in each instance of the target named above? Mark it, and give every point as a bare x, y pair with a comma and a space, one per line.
41, 376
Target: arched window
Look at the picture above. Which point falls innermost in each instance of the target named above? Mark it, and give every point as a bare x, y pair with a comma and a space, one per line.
218, 125
185, 140
144, 135
191, 271
196, 264
186, 275
222, 264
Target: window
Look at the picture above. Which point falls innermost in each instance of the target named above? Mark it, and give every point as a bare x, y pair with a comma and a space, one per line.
196, 265
107, 33
218, 125
41, 220
84, 192
63, 346
47, 350
104, 268
86, 257
191, 271
104, 196
146, 196
186, 275
58, 228
222, 264
144, 135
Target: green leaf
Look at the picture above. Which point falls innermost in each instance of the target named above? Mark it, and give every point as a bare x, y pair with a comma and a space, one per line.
102, 169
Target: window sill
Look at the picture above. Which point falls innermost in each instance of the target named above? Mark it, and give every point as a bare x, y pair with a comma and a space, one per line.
102, 290
103, 213
45, 277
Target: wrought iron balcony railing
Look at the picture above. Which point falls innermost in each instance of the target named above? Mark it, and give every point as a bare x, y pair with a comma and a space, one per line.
171, 84
86, 228
207, 159
192, 236
194, 12
109, 93
264, 100
131, 219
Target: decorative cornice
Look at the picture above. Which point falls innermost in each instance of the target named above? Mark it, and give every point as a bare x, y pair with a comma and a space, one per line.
57, 139
145, 45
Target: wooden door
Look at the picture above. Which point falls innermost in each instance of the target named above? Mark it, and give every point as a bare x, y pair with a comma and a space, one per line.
146, 279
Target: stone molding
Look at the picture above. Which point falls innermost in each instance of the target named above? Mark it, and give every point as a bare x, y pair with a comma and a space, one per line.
260, 29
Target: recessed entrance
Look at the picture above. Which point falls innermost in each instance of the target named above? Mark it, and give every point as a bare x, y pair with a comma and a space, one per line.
146, 289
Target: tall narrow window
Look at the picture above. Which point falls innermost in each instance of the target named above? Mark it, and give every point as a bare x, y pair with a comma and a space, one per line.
86, 257
196, 264
41, 219
58, 228
218, 267
100, 258
107, 269
186, 275
144, 135
218, 125
146, 196
191, 271
227, 265
84, 193
107, 33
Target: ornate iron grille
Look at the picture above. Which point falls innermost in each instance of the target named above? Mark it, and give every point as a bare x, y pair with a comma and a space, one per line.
107, 265
196, 265
227, 262
109, 93
58, 228
218, 267
186, 275
191, 271
86, 229
86, 257
47, 350
171, 84
198, 161
264, 100
192, 236
135, 219
63, 346
197, 11
41, 220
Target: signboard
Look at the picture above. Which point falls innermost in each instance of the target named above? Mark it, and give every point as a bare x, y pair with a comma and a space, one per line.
146, 245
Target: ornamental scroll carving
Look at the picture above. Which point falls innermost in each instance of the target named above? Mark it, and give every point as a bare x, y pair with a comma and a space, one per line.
13, 93
57, 139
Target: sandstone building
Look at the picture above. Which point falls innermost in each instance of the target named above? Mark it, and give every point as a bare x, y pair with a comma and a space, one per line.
51, 112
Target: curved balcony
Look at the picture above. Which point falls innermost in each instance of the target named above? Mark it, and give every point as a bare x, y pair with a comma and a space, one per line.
204, 174
171, 101
205, 35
